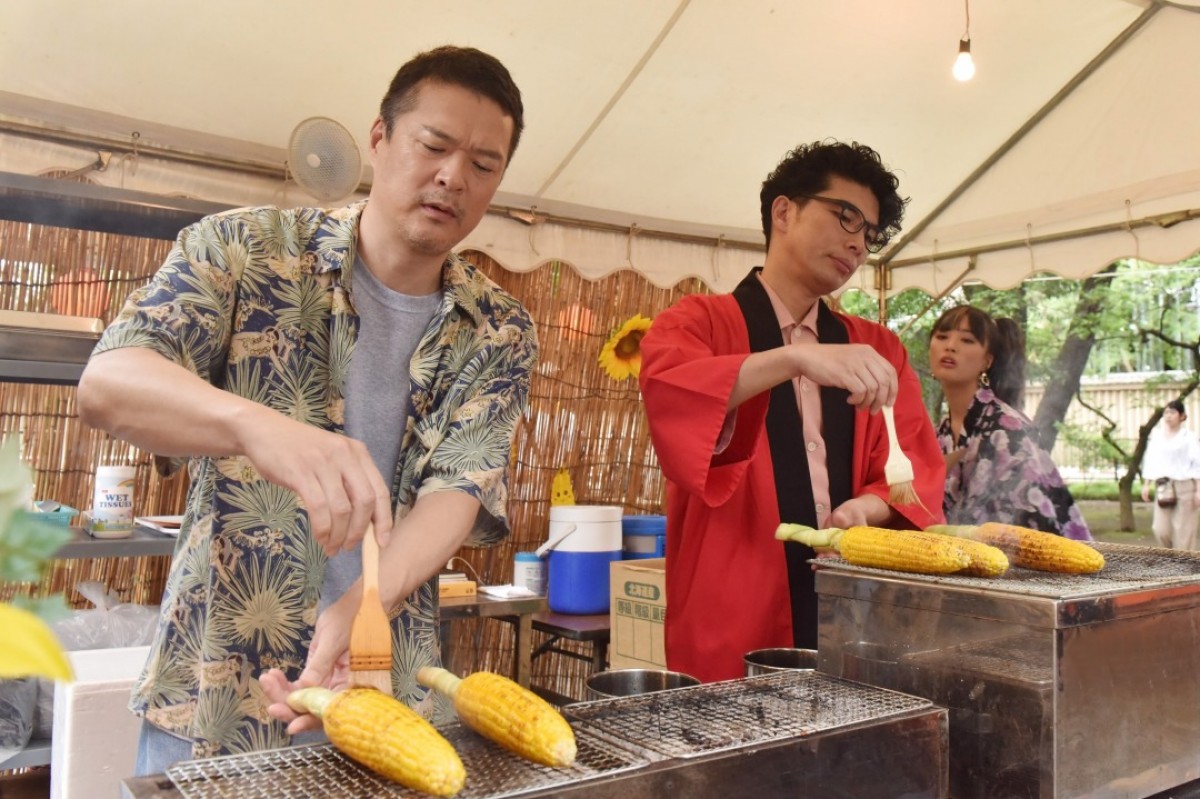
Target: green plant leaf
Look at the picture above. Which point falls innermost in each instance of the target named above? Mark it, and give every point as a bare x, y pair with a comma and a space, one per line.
47, 608
26, 544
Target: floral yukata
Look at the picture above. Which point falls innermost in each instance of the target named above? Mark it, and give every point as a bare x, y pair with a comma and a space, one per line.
1004, 475
258, 302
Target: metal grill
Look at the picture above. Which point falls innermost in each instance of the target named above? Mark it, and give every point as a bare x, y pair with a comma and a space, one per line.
1126, 568
319, 772
704, 719
1025, 659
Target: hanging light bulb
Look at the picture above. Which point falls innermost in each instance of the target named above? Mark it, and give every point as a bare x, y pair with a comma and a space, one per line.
964, 65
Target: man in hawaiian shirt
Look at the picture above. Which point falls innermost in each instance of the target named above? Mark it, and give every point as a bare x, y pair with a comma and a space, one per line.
321, 372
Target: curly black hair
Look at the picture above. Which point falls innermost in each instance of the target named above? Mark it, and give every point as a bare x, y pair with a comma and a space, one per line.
808, 168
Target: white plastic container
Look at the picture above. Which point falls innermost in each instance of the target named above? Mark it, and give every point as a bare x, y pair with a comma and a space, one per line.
529, 571
112, 503
579, 561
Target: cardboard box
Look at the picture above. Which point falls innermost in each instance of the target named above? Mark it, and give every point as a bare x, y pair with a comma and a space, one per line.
637, 611
459, 588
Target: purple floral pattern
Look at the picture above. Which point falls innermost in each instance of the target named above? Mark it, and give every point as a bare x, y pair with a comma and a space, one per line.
1004, 475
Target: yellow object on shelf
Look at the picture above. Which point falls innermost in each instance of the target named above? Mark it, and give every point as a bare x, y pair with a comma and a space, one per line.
561, 491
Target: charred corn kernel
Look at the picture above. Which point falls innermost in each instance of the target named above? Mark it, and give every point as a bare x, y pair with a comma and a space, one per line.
986, 560
514, 717
1034, 549
386, 736
1030, 549
900, 550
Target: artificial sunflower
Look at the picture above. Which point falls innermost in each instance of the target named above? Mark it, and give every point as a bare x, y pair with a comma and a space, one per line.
621, 355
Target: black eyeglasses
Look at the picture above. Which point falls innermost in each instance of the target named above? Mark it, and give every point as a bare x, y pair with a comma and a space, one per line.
853, 221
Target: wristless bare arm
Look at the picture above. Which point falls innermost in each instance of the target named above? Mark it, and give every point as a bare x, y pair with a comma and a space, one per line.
141, 397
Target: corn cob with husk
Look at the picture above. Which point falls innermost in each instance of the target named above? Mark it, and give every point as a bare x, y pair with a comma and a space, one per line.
501, 710
1031, 549
901, 550
386, 736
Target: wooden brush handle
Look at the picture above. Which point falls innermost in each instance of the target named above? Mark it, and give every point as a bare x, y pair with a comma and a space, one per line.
890, 422
370, 561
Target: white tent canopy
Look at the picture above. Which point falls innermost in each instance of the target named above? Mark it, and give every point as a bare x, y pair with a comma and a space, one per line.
651, 123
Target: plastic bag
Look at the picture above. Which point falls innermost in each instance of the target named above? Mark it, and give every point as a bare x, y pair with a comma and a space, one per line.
110, 624
18, 701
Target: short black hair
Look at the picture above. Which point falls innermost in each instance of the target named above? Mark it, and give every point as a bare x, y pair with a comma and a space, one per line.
467, 67
1177, 406
809, 167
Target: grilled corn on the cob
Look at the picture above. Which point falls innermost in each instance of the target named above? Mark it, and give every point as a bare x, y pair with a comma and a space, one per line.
1031, 549
986, 560
512, 716
386, 736
901, 550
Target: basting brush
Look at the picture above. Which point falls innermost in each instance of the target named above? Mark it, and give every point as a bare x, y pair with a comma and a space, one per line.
898, 470
370, 633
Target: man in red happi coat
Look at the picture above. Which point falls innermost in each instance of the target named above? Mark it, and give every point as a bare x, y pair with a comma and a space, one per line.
763, 407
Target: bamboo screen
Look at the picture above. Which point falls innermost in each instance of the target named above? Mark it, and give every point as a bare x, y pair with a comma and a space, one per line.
579, 418
79, 273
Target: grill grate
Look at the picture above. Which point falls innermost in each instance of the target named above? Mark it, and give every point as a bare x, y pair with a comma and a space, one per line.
704, 719
318, 772
1126, 568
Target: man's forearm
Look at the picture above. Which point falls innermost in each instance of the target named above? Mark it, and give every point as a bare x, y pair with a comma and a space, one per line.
424, 540
139, 396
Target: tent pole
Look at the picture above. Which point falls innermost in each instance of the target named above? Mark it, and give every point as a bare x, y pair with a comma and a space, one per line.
1164, 220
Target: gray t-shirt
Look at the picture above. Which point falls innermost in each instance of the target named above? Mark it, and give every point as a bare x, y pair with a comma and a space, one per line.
378, 400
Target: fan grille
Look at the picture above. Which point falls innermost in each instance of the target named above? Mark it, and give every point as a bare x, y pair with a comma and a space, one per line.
324, 159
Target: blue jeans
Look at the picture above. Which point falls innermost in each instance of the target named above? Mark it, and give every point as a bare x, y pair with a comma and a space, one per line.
159, 749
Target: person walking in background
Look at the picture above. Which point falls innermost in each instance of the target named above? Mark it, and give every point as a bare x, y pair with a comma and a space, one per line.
996, 471
1172, 463
762, 408
323, 372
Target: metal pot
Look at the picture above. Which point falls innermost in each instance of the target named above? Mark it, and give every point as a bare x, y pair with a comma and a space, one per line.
631, 682
765, 661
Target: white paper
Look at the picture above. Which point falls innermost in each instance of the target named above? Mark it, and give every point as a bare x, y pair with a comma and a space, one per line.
506, 591
167, 525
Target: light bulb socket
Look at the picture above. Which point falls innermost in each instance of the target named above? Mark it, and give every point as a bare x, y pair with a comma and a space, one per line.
964, 46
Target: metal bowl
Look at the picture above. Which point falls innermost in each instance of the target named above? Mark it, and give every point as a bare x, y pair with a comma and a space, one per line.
765, 661
631, 682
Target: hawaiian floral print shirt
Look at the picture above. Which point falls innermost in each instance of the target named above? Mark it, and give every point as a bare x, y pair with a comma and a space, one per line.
1004, 475
258, 302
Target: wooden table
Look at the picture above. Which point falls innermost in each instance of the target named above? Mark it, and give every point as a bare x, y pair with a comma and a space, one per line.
592, 630
518, 612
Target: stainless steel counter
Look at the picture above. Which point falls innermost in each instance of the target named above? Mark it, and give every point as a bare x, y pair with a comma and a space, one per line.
778, 735
1057, 686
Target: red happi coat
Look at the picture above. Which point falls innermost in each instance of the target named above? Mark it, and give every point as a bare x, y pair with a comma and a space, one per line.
728, 588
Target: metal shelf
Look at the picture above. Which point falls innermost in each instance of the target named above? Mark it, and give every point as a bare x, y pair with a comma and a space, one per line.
63, 374
142, 542
35, 753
